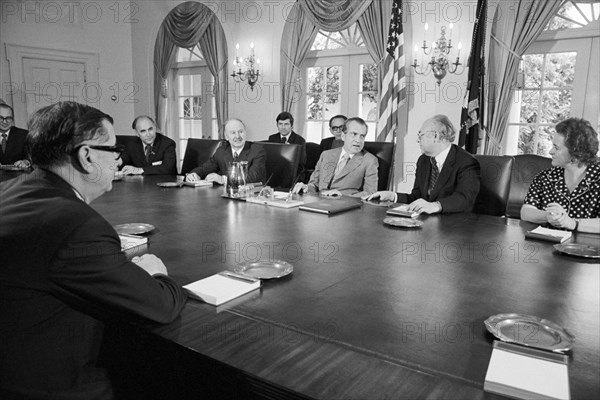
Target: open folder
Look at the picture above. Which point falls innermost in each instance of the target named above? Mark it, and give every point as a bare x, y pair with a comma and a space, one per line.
222, 287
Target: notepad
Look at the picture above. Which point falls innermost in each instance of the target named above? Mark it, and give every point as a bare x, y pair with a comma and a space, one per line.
552, 235
401, 211
526, 373
131, 241
281, 203
222, 287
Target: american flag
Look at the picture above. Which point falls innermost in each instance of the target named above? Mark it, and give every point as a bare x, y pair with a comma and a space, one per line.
393, 88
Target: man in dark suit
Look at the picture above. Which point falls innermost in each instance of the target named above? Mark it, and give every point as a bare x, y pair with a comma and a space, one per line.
336, 126
12, 139
286, 134
236, 149
349, 170
447, 178
152, 154
63, 272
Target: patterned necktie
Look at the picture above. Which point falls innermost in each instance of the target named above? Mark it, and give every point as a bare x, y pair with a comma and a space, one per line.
147, 152
283, 139
235, 156
435, 174
3, 142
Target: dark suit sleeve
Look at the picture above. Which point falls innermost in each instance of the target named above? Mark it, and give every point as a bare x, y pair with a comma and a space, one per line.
257, 170
89, 270
166, 154
467, 187
420, 179
210, 166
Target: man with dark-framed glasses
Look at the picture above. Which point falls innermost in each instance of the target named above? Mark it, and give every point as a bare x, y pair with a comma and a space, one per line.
63, 272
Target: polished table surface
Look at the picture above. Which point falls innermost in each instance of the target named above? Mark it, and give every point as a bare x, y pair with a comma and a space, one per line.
370, 311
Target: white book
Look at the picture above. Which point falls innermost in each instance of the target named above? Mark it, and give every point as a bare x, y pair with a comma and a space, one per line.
222, 287
131, 241
198, 183
402, 211
525, 373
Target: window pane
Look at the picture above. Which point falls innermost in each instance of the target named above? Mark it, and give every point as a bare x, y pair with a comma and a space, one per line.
314, 131
314, 75
197, 107
196, 85
529, 106
544, 143
334, 76
556, 105
532, 67
332, 106
526, 140
185, 85
560, 69
368, 78
367, 106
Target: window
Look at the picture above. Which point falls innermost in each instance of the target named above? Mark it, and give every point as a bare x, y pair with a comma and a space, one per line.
340, 78
193, 113
553, 82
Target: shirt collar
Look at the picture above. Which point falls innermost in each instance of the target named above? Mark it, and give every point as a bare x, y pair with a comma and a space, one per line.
7, 133
440, 159
350, 155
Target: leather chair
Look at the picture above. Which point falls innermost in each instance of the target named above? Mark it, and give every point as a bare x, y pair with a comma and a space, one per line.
313, 152
197, 152
125, 139
495, 183
282, 162
525, 168
384, 151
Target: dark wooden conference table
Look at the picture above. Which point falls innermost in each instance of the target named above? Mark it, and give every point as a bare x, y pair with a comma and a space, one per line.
370, 311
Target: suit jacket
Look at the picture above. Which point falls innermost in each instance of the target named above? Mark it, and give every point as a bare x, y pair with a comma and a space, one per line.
15, 146
63, 272
163, 152
293, 138
218, 162
457, 185
327, 143
357, 178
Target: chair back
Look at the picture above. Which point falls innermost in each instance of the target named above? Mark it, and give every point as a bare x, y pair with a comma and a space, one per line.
525, 168
313, 152
197, 152
125, 139
282, 162
495, 183
384, 151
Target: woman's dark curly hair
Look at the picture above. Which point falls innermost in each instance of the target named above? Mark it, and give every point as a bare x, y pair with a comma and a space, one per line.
580, 139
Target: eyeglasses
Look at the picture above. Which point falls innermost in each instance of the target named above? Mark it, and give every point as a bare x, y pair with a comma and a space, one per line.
421, 134
6, 119
337, 128
118, 148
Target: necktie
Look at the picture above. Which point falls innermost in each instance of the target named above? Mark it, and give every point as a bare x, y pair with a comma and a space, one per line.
3, 142
435, 173
235, 156
338, 168
147, 152
283, 139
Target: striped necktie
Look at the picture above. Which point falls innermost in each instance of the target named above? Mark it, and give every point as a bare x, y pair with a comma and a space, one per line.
435, 174
147, 152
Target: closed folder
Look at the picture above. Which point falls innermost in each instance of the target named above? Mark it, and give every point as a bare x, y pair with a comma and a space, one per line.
332, 206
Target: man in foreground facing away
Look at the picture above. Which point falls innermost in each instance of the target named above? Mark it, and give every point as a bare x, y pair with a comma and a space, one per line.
447, 178
62, 265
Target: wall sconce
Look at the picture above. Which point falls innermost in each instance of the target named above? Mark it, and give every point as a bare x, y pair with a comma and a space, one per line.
251, 63
441, 49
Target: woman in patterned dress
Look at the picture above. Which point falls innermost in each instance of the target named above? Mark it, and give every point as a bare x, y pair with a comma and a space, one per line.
567, 195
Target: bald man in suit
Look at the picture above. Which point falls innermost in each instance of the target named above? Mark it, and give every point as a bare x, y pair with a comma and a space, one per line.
349, 170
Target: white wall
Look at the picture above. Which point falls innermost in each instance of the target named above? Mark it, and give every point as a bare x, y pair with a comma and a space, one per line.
100, 27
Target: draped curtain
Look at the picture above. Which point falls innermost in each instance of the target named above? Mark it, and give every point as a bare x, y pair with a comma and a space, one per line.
185, 26
300, 31
517, 25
